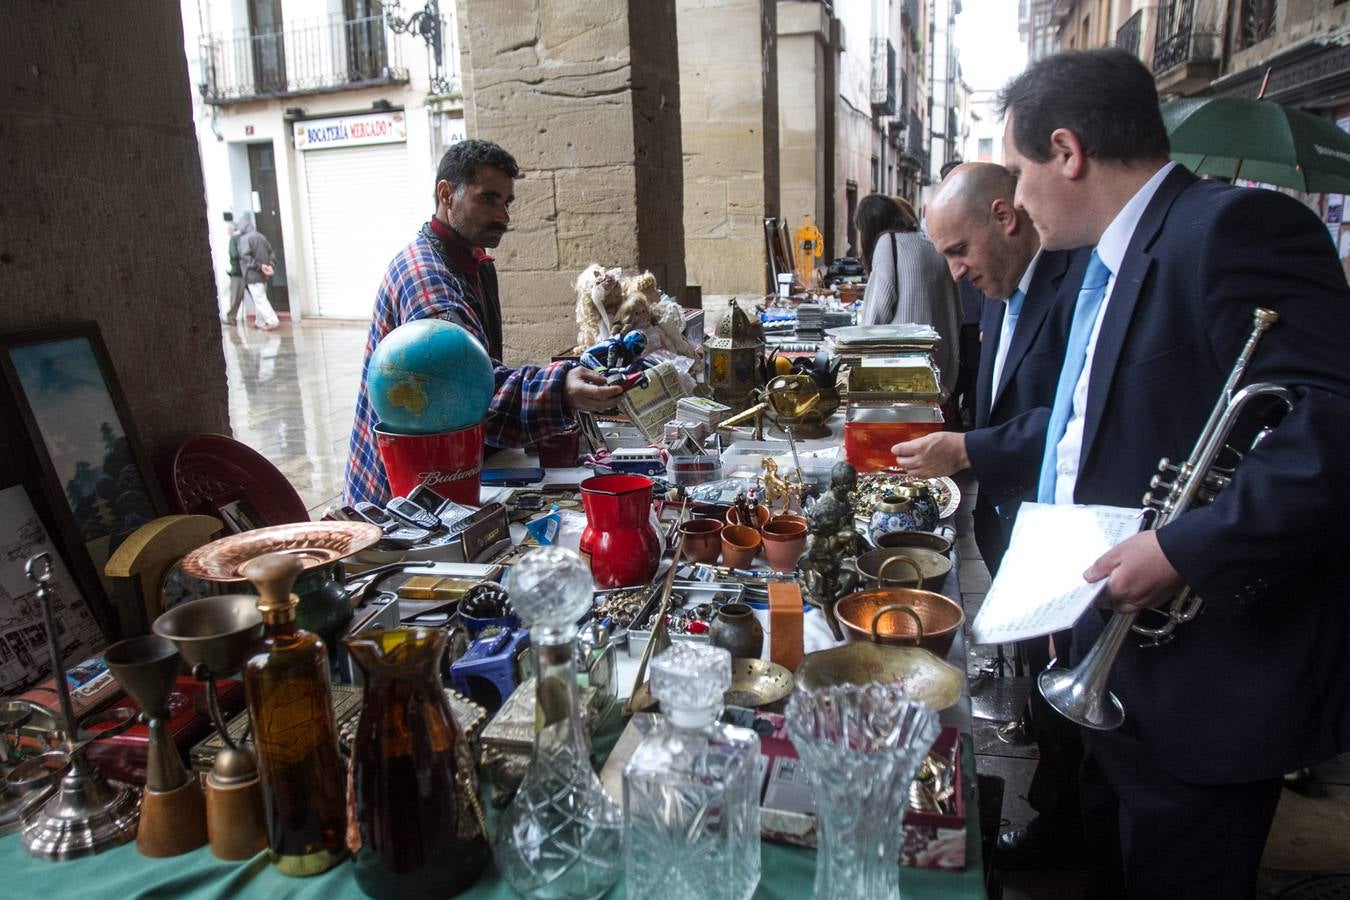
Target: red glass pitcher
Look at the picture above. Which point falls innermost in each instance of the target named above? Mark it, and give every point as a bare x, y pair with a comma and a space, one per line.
620, 542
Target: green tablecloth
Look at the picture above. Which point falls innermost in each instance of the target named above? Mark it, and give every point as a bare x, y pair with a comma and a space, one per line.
787, 872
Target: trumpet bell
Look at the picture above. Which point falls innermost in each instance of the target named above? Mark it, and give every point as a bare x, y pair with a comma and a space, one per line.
1074, 698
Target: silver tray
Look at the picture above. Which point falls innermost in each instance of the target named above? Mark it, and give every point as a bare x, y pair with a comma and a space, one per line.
699, 591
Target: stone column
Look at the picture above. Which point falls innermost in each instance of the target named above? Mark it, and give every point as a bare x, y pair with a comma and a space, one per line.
729, 98
586, 97
806, 115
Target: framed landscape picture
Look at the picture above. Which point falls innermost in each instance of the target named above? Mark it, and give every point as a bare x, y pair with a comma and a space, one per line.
96, 478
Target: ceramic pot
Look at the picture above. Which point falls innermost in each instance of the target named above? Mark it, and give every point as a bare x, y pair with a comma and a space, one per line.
907, 508
740, 543
761, 516
790, 517
736, 629
702, 540
784, 543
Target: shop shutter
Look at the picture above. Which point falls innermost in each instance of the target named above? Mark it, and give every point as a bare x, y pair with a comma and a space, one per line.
362, 210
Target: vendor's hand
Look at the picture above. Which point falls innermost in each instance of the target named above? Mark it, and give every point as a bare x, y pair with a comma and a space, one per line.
933, 455
1138, 574
585, 389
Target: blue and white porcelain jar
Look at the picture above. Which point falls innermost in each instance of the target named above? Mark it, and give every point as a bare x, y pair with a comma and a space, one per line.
907, 508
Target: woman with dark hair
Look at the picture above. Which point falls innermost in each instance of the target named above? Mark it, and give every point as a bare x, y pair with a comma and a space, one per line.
908, 280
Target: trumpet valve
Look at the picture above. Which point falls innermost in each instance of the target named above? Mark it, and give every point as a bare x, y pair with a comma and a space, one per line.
1165, 466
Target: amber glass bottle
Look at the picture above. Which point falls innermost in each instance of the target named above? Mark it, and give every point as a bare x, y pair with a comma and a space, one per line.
291, 710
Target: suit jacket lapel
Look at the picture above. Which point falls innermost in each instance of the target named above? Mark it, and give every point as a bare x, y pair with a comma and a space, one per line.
1039, 299
1124, 297
991, 323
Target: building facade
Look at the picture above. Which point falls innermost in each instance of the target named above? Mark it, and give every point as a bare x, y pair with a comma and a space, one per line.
325, 119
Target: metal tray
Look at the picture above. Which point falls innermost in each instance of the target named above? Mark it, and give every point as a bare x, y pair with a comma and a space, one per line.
698, 592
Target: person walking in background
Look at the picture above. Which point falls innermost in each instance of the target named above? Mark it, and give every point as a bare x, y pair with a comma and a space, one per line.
235, 272
907, 279
256, 259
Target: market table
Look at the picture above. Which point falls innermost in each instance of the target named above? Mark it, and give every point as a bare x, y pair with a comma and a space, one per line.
787, 872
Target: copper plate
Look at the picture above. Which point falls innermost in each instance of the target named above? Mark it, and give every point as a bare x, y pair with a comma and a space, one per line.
757, 682
917, 671
313, 543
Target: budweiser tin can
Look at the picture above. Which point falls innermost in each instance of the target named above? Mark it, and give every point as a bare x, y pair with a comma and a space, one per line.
450, 463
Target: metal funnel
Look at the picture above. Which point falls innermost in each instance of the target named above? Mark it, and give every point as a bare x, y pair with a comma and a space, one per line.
214, 633
145, 667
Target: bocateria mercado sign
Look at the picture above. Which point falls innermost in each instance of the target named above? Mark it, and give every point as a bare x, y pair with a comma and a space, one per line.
350, 131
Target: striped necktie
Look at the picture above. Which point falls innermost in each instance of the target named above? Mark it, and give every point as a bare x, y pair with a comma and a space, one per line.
1090, 297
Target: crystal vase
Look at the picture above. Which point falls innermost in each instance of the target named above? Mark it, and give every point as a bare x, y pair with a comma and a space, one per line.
861, 746
562, 837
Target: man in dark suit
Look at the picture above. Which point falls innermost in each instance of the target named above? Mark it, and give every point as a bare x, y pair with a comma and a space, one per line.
1179, 800
992, 246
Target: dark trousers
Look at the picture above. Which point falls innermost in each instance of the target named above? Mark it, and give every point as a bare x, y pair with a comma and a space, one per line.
968, 374
1151, 834
236, 296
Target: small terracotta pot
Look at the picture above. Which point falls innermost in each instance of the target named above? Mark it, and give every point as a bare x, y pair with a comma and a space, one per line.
702, 540
761, 515
784, 543
790, 517
740, 543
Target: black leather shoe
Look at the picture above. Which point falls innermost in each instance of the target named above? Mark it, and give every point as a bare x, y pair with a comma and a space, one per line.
1027, 848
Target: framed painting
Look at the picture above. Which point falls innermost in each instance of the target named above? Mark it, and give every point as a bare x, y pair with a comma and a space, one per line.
95, 475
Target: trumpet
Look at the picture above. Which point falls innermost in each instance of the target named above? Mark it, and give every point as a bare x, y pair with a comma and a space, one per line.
1080, 694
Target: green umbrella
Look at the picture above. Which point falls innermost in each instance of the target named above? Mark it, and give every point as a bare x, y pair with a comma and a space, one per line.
1259, 140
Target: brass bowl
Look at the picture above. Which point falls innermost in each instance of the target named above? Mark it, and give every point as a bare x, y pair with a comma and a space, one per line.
877, 566
928, 540
901, 616
921, 674
757, 682
313, 543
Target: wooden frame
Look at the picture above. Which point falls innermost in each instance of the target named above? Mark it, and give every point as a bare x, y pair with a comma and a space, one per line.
78, 425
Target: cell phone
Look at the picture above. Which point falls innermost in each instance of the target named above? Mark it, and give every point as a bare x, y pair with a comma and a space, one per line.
374, 514
426, 498
410, 513
513, 477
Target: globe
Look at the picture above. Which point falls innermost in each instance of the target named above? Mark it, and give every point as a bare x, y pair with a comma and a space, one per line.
429, 376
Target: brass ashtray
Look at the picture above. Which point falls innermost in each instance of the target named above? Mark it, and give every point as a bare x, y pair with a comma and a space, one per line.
757, 682
313, 543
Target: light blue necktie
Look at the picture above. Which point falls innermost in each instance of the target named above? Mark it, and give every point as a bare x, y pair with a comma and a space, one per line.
1010, 316
1090, 297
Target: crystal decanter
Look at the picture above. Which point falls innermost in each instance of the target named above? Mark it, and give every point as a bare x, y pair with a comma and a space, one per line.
861, 746
562, 836
691, 789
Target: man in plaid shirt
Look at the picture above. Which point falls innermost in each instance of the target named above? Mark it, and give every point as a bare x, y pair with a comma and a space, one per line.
445, 273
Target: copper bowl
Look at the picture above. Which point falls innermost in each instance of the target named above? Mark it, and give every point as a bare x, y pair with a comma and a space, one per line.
313, 543
928, 540
901, 616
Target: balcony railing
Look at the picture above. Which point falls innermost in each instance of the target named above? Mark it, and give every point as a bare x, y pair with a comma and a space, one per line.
883, 77
1128, 35
1258, 22
1180, 39
305, 58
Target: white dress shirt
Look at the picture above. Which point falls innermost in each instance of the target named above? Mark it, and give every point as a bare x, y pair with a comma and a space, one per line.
1005, 334
1115, 240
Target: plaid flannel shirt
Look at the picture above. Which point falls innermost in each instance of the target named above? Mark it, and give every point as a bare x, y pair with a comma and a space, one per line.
527, 406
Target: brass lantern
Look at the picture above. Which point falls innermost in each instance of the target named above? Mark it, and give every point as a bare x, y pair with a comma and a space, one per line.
735, 359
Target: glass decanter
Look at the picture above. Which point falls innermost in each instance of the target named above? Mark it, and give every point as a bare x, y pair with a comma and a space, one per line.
562, 836
691, 789
861, 746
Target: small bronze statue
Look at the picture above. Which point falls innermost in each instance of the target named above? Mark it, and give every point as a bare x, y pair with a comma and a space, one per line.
779, 489
833, 539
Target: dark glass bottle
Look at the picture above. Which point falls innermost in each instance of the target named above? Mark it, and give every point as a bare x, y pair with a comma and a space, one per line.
417, 811
290, 708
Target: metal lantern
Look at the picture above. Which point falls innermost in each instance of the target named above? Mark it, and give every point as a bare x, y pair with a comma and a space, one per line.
735, 356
